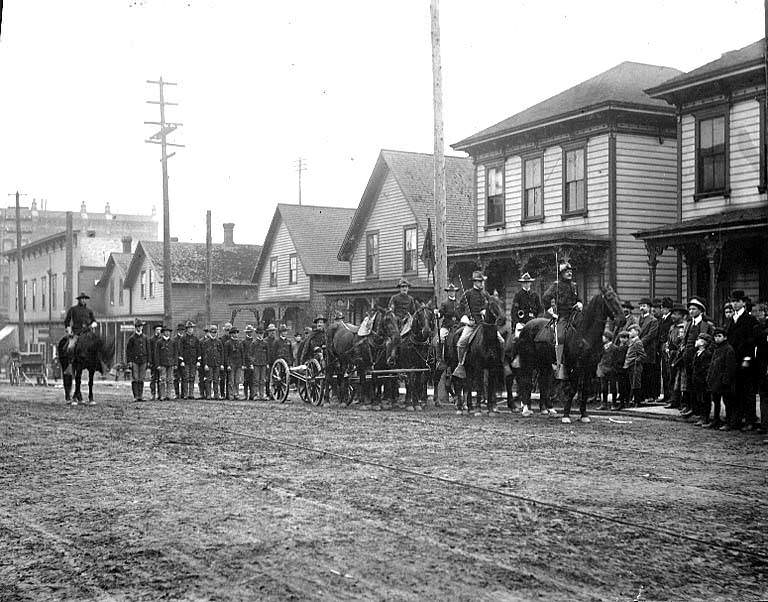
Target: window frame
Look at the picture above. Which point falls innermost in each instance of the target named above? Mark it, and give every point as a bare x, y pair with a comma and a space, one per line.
500, 165
25, 295
54, 284
43, 284
151, 283
415, 266
582, 146
273, 275
524, 218
120, 289
143, 285
293, 268
705, 115
762, 185
34, 294
374, 271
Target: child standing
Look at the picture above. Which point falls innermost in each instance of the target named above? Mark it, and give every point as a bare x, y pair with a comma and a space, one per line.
606, 370
622, 378
702, 358
722, 370
633, 364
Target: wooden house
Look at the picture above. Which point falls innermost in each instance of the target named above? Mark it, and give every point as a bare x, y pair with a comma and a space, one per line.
386, 234
299, 257
721, 209
574, 177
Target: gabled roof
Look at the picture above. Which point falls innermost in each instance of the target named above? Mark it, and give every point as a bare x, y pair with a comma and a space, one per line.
229, 264
620, 87
749, 57
316, 234
121, 261
414, 175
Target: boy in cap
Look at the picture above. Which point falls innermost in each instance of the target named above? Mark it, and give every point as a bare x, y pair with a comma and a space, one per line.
248, 357
213, 362
137, 354
189, 359
233, 363
606, 370
166, 358
720, 377
699, 370
260, 355
622, 378
633, 364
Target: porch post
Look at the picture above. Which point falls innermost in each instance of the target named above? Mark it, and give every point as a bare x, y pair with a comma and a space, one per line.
713, 248
654, 250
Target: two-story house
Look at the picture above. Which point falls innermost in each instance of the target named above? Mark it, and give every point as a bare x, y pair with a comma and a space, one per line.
573, 177
721, 210
299, 257
142, 281
386, 235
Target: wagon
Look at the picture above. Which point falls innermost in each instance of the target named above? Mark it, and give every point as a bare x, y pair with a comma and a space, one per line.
27, 367
308, 378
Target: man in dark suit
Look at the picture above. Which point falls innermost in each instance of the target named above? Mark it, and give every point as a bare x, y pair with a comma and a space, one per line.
666, 320
742, 329
649, 335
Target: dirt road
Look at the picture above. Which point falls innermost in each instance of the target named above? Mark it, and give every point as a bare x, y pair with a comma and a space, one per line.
235, 500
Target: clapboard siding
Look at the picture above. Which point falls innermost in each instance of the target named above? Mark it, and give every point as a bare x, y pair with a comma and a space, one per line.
596, 219
282, 247
389, 215
646, 196
118, 309
151, 304
744, 162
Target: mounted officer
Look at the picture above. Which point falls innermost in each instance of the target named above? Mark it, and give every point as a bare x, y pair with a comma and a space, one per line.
560, 299
525, 304
448, 312
78, 318
402, 304
472, 308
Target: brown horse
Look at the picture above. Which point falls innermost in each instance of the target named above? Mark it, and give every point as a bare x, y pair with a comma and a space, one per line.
90, 353
417, 351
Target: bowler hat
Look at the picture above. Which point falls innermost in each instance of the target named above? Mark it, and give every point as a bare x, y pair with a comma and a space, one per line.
167, 328
478, 276
696, 302
180, 326
82, 296
402, 282
738, 295
645, 301
628, 305
138, 322
680, 307
451, 288
656, 302
526, 278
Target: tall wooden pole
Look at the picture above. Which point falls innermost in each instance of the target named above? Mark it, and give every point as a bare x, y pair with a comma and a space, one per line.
441, 246
19, 275
208, 275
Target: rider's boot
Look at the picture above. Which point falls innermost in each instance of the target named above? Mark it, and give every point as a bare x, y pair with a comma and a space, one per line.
140, 390
460, 372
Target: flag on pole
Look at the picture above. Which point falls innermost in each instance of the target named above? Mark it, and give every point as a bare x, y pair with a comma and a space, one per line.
428, 250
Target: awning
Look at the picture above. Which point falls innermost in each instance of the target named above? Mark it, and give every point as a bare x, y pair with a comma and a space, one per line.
530, 243
7, 330
746, 221
376, 288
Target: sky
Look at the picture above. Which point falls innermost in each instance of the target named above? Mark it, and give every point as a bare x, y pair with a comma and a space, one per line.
261, 84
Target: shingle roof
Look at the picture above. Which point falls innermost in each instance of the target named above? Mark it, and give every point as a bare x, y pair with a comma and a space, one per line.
122, 260
229, 265
414, 174
722, 221
622, 85
749, 55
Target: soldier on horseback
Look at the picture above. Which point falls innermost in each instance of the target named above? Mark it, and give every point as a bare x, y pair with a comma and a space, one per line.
560, 299
525, 304
401, 303
472, 309
79, 317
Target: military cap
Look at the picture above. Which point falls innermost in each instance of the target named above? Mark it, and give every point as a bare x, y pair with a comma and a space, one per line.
451, 288
526, 278
190, 324
402, 282
82, 296
248, 328
478, 276
271, 328
697, 302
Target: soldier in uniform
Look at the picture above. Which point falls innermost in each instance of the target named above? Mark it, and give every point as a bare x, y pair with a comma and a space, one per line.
178, 373
448, 312
154, 382
233, 363
224, 380
166, 358
137, 354
212, 354
401, 303
260, 356
79, 317
525, 304
560, 299
472, 308
200, 368
189, 358
316, 338
248, 346
282, 347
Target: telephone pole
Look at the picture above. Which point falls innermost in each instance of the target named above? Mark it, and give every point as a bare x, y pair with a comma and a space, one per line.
19, 272
161, 138
208, 272
441, 245
301, 165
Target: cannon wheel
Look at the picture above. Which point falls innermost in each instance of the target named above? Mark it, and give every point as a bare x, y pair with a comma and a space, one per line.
279, 380
314, 384
301, 387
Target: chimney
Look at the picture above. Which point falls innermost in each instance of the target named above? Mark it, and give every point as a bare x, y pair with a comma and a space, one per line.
127, 240
229, 238
107, 211
83, 211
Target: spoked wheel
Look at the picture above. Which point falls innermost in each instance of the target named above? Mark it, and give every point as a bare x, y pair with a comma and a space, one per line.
301, 387
314, 384
279, 382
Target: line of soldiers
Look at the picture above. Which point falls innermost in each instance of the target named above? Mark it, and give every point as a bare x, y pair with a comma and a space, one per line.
219, 364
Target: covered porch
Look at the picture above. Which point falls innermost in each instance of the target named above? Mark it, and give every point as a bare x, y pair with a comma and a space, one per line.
717, 254
294, 312
354, 299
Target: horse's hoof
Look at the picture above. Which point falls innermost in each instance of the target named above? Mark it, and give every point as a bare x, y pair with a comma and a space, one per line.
527, 412
91, 403
566, 420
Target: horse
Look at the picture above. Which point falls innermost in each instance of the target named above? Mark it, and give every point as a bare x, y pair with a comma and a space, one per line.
482, 362
581, 353
417, 351
90, 352
348, 350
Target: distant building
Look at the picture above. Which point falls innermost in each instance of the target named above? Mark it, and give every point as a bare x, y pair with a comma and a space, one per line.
38, 222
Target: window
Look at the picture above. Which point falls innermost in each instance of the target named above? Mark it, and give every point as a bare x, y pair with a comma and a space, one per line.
15, 296
120, 286
34, 294
372, 254
494, 195
763, 184
711, 156
293, 269
43, 289
574, 182
6, 291
410, 253
273, 271
111, 292
54, 284
25, 294
533, 190
143, 284
151, 277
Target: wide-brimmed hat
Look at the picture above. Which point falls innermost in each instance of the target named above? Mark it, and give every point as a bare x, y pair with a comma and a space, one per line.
526, 278
234, 330
451, 288
248, 328
478, 276
271, 328
166, 328
190, 324
697, 302
319, 318
82, 296
402, 282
